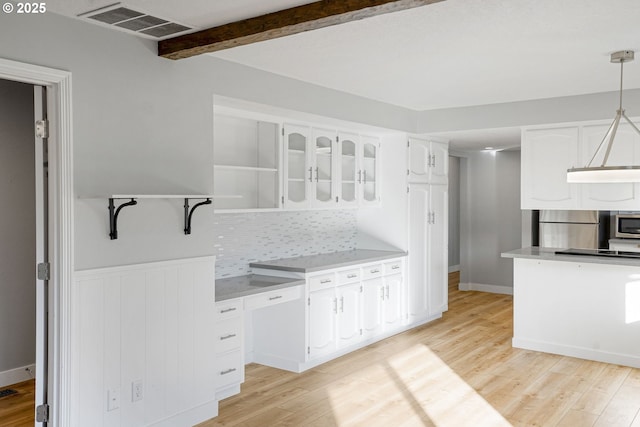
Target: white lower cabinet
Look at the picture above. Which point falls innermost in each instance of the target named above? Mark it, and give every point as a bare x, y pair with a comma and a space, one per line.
322, 322
349, 300
229, 341
373, 314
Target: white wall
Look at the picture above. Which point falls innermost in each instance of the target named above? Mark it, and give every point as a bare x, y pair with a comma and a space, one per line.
490, 218
143, 124
17, 227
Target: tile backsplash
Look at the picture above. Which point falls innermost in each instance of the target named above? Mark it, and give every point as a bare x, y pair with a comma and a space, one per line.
248, 237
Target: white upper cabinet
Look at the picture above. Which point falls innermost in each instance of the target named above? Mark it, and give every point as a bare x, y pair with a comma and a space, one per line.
369, 172
247, 162
298, 171
428, 161
546, 156
323, 157
548, 153
625, 151
348, 147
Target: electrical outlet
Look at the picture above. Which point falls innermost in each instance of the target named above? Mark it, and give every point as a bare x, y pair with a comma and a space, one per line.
113, 399
136, 391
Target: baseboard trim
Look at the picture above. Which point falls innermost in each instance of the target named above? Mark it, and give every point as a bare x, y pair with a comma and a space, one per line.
579, 352
17, 375
454, 268
190, 417
493, 289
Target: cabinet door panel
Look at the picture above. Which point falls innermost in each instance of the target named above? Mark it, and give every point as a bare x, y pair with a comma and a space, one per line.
625, 151
349, 314
393, 312
438, 250
418, 160
322, 314
546, 156
323, 155
370, 170
372, 300
298, 173
439, 171
418, 249
348, 169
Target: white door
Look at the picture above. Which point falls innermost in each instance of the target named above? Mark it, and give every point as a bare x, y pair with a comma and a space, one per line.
298, 173
368, 176
323, 168
625, 151
439, 170
42, 255
323, 307
373, 301
437, 282
393, 301
546, 156
347, 169
419, 160
418, 249
349, 314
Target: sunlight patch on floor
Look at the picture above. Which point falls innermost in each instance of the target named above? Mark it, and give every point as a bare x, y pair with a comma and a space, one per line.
413, 388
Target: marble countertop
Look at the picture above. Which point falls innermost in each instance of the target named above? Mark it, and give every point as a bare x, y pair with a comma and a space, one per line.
242, 286
549, 254
313, 263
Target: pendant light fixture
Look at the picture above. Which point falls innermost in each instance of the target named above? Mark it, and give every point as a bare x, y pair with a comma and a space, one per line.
604, 173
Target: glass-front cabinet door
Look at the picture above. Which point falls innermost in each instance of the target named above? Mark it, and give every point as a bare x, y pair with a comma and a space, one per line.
298, 170
347, 187
369, 170
323, 174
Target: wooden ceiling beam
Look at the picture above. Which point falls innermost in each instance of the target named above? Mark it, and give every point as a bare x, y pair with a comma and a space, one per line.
283, 23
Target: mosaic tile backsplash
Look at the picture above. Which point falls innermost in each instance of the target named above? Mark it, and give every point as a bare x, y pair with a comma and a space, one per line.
244, 238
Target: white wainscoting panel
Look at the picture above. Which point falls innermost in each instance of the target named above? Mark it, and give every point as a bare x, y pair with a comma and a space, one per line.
153, 323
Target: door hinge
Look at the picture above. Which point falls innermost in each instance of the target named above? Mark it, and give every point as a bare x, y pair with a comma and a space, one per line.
308, 350
407, 189
42, 413
44, 271
282, 200
407, 142
309, 301
283, 131
337, 138
408, 172
42, 128
336, 199
360, 331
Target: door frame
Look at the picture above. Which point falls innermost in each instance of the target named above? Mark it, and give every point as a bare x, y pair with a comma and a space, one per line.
61, 209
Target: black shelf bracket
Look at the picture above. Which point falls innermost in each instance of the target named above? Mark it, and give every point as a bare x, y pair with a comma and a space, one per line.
113, 216
188, 213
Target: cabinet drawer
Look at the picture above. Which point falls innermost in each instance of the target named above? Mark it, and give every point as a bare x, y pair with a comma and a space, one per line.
349, 276
266, 299
392, 267
229, 369
371, 271
323, 281
228, 334
228, 309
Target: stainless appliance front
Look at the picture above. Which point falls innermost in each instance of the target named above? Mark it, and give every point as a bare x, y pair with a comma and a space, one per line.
628, 225
570, 229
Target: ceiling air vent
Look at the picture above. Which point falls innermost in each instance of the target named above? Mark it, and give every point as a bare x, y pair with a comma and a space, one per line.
120, 17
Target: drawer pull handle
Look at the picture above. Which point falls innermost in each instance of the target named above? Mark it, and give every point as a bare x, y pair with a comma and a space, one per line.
228, 371
374, 271
226, 337
351, 276
395, 267
322, 282
276, 297
227, 310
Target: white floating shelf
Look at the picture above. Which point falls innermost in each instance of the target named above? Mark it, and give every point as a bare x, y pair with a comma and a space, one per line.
244, 168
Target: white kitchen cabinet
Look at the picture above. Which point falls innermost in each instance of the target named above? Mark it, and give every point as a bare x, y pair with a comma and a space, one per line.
427, 251
247, 162
546, 156
323, 308
625, 151
349, 314
298, 171
323, 158
627, 245
428, 161
369, 171
348, 168
393, 303
373, 312
229, 345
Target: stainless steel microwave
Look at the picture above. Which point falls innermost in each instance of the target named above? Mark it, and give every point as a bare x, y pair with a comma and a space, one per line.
628, 225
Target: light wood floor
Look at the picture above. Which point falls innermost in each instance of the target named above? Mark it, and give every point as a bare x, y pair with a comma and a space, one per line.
17, 410
457, 371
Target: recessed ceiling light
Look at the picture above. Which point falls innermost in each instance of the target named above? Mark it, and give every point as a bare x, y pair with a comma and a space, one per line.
488, 148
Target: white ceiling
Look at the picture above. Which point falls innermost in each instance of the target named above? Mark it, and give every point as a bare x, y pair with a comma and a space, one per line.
449, 54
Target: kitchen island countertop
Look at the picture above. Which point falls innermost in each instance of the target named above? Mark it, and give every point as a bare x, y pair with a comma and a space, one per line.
550, 255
